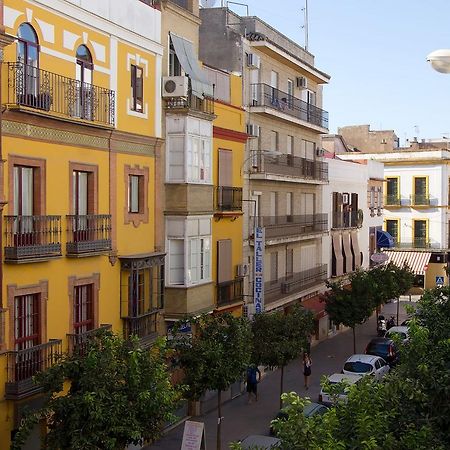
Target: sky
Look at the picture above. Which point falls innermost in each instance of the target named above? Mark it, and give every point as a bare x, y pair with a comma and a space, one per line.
375, 52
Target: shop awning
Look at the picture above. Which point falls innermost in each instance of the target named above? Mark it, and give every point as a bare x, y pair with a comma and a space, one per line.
416, 261
315, 305
189, 62
384, 239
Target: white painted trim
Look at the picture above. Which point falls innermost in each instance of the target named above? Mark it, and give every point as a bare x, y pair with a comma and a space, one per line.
47, 30
69, 40
113, 57
99, 50
140, 115
158, 99
101, 69
99, 24
57, 54
10, 15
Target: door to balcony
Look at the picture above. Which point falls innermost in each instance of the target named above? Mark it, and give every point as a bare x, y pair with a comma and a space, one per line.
84, 89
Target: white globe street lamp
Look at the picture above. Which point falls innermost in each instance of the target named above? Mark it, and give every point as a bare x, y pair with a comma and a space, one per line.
440, 60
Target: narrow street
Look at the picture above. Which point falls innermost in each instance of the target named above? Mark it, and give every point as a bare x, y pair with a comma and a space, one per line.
242, 419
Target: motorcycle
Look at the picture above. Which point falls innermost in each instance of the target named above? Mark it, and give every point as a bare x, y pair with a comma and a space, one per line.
390, 322
381, 326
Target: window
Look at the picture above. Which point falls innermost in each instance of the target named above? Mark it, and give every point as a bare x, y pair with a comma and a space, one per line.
26, 321
28, 54
134, 188
176, 257
290, 92
420, 195
137, 88
175, 68
83, 308
145, 291
392, 227
290, 145
84, 93
420, 229
199, 268
289, 206
136, 194
199, 159
24, 206
392, 190
289, 263
274, 85
274, 140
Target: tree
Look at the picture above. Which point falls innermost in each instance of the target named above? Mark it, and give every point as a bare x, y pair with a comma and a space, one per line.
214, 356
279, 338
118, 394
351, 304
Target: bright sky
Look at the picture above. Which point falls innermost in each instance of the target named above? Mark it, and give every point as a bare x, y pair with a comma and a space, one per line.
375, 52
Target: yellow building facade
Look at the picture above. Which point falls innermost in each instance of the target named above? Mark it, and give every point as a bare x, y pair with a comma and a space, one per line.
81, 140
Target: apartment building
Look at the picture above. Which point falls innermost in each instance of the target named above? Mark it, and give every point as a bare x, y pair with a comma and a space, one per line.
81, 136
283, 169
416, 206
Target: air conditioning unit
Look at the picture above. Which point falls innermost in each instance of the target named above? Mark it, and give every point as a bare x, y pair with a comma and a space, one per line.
285, 288
175, 86
319, 151
248, 311
253, 61
242, 270
301, 82
253, 130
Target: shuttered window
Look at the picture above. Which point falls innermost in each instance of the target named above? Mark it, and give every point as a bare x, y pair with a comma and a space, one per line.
224, 261
274, 268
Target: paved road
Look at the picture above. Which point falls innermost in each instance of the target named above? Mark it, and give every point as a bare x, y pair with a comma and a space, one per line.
241, 419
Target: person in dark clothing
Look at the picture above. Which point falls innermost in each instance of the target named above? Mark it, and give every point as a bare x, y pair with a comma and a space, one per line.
253, 378
307, 363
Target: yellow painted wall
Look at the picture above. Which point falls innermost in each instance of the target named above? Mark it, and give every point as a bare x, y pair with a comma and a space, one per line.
434, 270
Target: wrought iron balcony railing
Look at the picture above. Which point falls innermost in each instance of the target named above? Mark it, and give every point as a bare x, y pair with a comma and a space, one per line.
205, 105
420, 200
289, 226
88, 234
392, 200
32, 237
265, 95
297, 282
228, 198
77, 342
230, 292
292, 166
145, 327
62, 96
346, 219
22, 365
416, 243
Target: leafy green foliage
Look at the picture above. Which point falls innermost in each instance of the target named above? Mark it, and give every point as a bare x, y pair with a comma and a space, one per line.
118, 394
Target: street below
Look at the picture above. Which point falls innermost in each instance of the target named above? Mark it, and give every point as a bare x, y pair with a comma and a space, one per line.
241, 419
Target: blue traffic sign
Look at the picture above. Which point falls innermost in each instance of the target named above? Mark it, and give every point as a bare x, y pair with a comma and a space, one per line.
439, 280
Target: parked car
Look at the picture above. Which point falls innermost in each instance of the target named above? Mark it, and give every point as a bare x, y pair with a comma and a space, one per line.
401, 331
309, 410
366, 365
260, 442
384, 347
349, 379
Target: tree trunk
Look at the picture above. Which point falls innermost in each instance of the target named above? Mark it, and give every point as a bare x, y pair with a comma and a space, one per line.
354, 339
281, 385
219, 419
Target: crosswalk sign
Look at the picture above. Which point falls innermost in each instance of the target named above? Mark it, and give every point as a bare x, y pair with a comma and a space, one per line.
439, 281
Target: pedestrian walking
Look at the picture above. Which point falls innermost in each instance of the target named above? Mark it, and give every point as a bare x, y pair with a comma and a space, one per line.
253, 378
307, 363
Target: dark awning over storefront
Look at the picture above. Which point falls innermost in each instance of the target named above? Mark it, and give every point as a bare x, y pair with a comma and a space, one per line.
384, 239
189, 62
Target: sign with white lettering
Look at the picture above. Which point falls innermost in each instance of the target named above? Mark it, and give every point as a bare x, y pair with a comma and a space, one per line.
193, 436
258, 273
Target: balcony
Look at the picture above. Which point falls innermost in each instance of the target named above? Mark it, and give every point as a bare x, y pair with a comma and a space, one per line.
181, 104
292, 166
420, 200
145, 327
89, 234
30, 88
392, 200
345, 219
22, 365
417, 243
230, 292
32, 238
295, 283
291, 226
228, 198
77, 342
267, 96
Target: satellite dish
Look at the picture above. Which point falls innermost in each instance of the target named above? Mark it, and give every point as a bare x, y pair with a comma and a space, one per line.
208, 3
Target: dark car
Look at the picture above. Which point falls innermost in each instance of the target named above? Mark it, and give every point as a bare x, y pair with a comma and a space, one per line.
309, 410
385, 348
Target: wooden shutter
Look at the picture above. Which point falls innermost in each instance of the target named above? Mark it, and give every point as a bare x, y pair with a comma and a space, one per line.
224, 262
225, 168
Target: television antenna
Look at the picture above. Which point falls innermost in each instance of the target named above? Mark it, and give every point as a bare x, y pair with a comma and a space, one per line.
305, 23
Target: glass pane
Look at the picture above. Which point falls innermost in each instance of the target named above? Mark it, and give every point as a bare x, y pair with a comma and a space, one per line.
84, 54
134, 194
27, 33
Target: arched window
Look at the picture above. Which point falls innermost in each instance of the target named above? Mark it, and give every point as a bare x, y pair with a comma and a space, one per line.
84, 65
85, 94
28, 46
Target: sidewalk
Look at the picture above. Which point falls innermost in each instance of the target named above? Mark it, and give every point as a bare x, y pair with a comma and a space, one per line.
241, 419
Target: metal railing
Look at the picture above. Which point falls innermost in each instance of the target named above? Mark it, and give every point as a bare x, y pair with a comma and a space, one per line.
285, 226
420, 200
290, 165
78, 342
90, 233
228, 198
230, 291
32, 237
205, 105
392, 200
297, 282
23, 365
265, 95
145, 327
46, 91
345, 219
416, 243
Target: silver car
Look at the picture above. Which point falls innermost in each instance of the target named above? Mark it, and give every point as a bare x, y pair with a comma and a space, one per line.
366, 365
